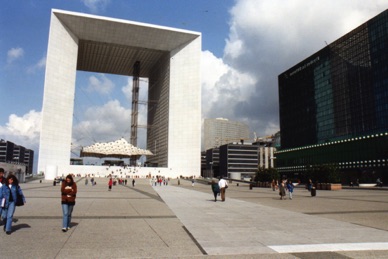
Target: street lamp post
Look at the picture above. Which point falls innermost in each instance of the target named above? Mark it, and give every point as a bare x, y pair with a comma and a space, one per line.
211, 169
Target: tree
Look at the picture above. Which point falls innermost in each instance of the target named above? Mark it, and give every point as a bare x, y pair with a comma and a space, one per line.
325, 173
266, 175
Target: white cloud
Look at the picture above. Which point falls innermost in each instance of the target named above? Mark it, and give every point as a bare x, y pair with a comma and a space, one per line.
14, 54
95, 6
24, 131
101, 85
105, 123
266, 38
39, 65
221, 85
108, 119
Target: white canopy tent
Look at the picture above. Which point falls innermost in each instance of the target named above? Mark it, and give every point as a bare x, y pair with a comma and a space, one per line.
119, 148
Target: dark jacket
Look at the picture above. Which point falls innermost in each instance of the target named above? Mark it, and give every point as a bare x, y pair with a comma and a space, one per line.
69, 193
290, 187
215, 188
10, 194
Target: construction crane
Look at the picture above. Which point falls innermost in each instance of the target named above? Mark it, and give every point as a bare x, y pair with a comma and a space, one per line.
135, 103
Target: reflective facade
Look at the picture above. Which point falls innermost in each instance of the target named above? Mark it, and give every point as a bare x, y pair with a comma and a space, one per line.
335, 102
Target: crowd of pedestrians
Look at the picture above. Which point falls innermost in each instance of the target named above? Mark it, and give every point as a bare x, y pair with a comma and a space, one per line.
284, 186
159, 180
113, 181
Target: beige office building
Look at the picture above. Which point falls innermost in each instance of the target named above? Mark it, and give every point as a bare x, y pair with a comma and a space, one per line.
222, 131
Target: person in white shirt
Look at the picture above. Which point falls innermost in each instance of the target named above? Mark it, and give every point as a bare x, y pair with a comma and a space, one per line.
223, 185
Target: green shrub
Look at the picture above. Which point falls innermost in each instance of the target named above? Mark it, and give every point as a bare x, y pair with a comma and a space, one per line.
266, 175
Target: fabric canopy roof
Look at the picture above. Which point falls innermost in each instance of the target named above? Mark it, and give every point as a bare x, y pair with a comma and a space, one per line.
119, 148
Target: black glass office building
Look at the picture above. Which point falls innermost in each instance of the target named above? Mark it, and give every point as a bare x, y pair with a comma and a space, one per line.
334, 104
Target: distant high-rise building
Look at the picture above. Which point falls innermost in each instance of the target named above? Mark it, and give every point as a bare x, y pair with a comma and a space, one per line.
222, 131
213, 161
238, 160
334, 106
12, 154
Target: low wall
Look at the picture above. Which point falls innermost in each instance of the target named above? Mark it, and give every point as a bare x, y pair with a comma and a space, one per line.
18, 170
329, 186
119, 171
367, 185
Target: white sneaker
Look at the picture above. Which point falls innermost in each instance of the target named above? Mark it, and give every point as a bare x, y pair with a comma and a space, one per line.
64, 229
68, 228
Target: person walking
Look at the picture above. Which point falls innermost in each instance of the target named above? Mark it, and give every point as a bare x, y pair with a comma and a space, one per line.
8, 197
290, 188
2, 182
110, 183
309, 185
133, 182
86, 180
69, 192
282, 191
215, 189
2, 177
273, 184
223, 185
379, 183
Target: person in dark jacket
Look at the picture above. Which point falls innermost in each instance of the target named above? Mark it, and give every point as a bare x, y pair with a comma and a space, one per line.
290, 188
282, 190
215, 189
69, 192
2, 182
8, 196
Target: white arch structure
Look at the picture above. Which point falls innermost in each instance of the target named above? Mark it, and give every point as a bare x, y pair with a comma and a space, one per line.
169, 58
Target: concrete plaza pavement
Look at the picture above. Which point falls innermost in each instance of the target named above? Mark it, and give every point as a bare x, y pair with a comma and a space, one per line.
184, 222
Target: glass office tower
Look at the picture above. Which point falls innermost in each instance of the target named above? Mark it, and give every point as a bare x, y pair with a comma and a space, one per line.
334, 104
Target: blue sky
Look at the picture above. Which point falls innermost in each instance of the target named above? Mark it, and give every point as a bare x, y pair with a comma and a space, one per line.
25, 25
246, 44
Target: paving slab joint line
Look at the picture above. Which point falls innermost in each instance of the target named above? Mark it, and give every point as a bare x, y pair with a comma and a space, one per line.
332, 247
194, 240
64, 243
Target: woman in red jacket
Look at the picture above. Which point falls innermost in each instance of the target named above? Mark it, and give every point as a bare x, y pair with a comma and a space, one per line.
69, 192
110, 183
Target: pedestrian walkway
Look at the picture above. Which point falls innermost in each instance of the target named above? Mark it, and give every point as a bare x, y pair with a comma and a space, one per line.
184, 222
240, 227
127, 222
